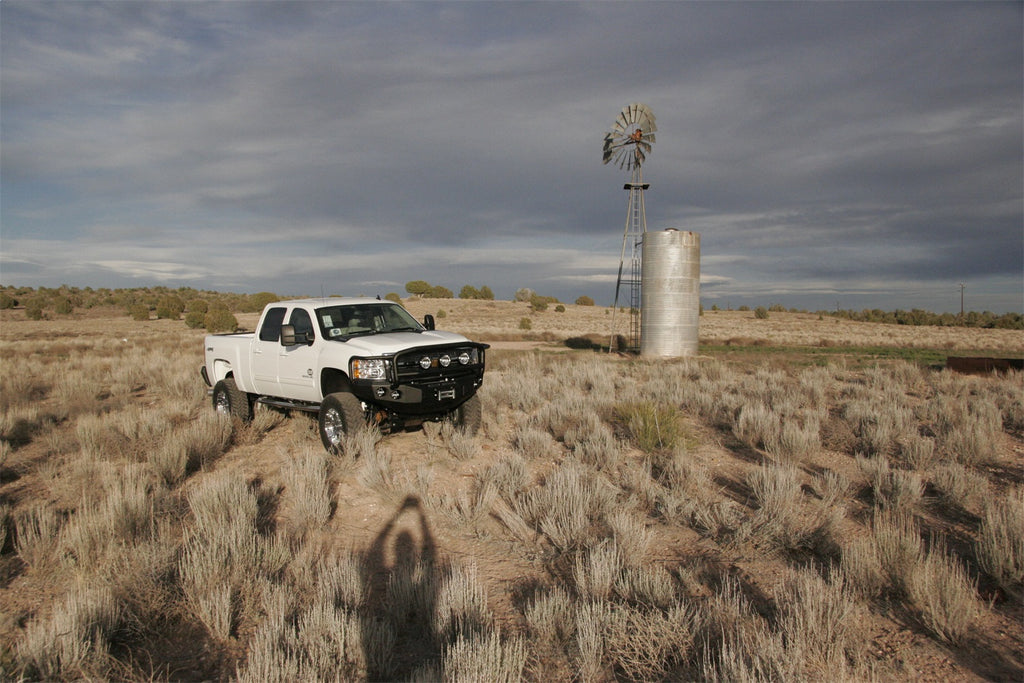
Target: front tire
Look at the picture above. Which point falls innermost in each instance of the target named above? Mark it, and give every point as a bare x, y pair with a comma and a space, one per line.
469, 416
341, 414
230, 401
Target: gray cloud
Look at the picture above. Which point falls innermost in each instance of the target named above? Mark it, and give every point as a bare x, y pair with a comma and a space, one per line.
870, 151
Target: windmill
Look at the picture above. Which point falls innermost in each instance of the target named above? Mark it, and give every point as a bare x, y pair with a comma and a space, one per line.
627, 145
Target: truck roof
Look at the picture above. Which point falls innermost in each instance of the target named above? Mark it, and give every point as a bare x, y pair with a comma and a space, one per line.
332, 301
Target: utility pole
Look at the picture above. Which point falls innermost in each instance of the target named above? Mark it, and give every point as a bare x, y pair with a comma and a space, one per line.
963, 285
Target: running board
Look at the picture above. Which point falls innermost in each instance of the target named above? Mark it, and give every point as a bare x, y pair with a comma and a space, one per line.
289, 405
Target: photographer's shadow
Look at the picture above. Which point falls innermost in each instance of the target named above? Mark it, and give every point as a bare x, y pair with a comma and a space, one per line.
402, 578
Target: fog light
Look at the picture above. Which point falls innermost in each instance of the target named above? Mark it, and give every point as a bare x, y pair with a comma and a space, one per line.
464, 358
380, 391
425, 362
395, 394
445, 360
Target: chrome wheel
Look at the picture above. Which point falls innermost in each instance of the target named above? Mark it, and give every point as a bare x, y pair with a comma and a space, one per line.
222, 403
333, 427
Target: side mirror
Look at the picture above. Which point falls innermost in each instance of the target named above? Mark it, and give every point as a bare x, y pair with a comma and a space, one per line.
288, 335
428, 321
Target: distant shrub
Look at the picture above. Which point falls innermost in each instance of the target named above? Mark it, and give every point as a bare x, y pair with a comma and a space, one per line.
393, 296
777, 308
524, 294
441, 313
169, 308
469, 292
761, 313
439, 292
7, 302
198, 306
584, 301
743, 308
486, 293
525, 324
559, 308
34, 310
63, 306
257, 302
538, 303
139, 312
220, 320
195, 319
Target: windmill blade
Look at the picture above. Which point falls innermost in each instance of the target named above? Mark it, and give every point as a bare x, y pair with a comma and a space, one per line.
634, 112
621, 121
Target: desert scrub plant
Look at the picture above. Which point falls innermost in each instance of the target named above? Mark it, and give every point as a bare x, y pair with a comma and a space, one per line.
122, 515
966, 431
883, 562
549, 616
73, 641
36, 530
461, 610
891, 489
461, 445
960, 487
532, 443
307, 493
755, 424
1000, 544
943, 596
564, 509
795, 440
653, 427
486, 657
817, 620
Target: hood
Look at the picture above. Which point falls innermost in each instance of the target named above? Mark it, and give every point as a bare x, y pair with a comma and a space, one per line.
393, 342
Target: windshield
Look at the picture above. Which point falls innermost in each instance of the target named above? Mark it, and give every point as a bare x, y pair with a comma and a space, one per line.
342, 322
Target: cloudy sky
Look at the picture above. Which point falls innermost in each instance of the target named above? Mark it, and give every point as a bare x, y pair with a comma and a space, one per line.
866, 155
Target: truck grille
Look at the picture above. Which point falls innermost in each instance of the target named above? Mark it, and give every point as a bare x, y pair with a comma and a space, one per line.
409, 368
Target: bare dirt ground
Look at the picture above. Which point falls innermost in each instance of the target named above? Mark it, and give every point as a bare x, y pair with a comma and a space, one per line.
510, 558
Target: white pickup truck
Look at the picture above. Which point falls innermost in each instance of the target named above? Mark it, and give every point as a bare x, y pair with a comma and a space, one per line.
353, 361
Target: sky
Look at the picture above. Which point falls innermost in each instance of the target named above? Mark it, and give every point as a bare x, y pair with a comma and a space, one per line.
847, 154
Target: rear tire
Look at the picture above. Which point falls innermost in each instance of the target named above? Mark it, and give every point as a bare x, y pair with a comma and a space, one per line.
231, 401
341, 414
469, 416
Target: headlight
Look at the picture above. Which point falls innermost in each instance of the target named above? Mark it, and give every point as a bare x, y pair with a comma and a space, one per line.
445, 360
425, 362
369, 368
464, 358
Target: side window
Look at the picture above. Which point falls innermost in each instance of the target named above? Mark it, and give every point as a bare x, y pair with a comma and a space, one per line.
302, 323
271, 329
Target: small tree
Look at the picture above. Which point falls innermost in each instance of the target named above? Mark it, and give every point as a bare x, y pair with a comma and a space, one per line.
559, 308
417, 287
538, 303
439, 292
524, 294
584, 301
469, 292
761, 313
486, 293
393, 296
525, 324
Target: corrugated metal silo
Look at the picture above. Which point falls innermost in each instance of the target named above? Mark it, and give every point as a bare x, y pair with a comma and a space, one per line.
670, 294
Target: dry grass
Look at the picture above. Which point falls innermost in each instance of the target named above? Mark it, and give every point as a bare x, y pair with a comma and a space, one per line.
616, 519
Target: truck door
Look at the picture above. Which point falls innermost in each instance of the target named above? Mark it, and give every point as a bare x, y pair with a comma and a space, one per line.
296, 368
265, 350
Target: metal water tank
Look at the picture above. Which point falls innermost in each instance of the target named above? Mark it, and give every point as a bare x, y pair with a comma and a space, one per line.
670, 293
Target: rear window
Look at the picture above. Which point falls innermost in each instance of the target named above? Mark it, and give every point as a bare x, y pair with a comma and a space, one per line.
270, 331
